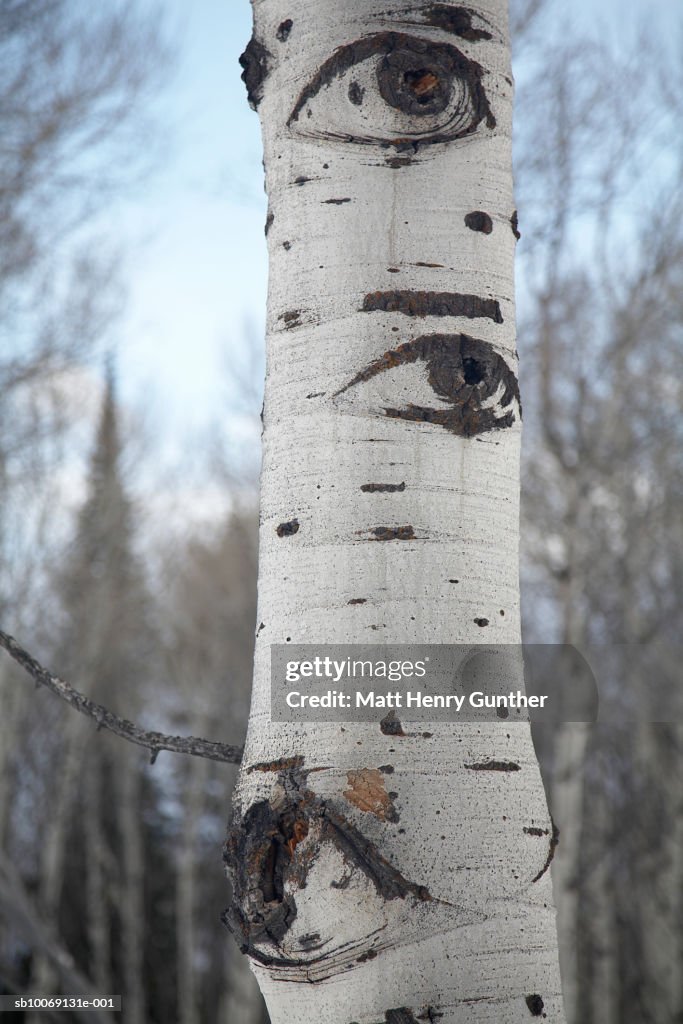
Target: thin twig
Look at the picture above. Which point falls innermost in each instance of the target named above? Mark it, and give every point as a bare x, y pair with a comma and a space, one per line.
153, 741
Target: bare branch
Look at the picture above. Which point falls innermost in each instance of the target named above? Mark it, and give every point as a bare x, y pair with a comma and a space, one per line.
153, 741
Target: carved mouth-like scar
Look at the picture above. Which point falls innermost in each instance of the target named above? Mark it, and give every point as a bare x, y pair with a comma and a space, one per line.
465, 372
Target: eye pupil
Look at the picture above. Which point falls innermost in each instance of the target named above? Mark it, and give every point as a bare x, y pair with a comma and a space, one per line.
473, 371
407, 84
423, 84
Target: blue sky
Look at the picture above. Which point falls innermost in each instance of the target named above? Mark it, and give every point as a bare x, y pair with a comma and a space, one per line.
194, 248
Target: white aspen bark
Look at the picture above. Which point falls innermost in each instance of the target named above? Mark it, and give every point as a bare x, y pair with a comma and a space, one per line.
390, 361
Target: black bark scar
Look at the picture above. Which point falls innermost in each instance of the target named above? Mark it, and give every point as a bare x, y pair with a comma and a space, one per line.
535, 1004
288, 529
254, 60
416, 76
478, 220
283, 30
393, 533
494, 766
465, 372
269, 852
383, 488
552, 846
457, 20
417, 303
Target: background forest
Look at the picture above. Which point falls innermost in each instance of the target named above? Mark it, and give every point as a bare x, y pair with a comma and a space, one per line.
110, 868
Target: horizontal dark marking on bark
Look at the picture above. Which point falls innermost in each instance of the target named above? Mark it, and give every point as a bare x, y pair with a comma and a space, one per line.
357, 600
493, 766
283, 30
395, 162
315, 394
288, 529
302, 180
532, 831
412, 303
514, 224
481, 622
336, 202
535, 1004
254, 61
388, 769
292, 318
421, 264
393, 270
279, 765
370, 954
464, 371
393, 533
552, 846
477, 220
390, 725
457, 20
371, 488
416, 76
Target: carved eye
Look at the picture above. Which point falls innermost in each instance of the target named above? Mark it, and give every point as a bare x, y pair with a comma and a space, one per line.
393, 89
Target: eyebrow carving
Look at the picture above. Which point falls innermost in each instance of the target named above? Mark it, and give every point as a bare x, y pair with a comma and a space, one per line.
457, 20
417, 303
416, 76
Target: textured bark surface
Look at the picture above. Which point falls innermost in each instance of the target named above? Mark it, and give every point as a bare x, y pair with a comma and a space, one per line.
388, 872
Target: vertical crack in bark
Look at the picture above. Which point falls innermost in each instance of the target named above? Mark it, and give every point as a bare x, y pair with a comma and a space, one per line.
463, 371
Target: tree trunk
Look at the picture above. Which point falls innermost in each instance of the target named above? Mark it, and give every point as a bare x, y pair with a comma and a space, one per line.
389, 514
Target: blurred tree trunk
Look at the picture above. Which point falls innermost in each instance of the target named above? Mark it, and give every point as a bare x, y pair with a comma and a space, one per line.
389, 514
97, 878
132, 899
